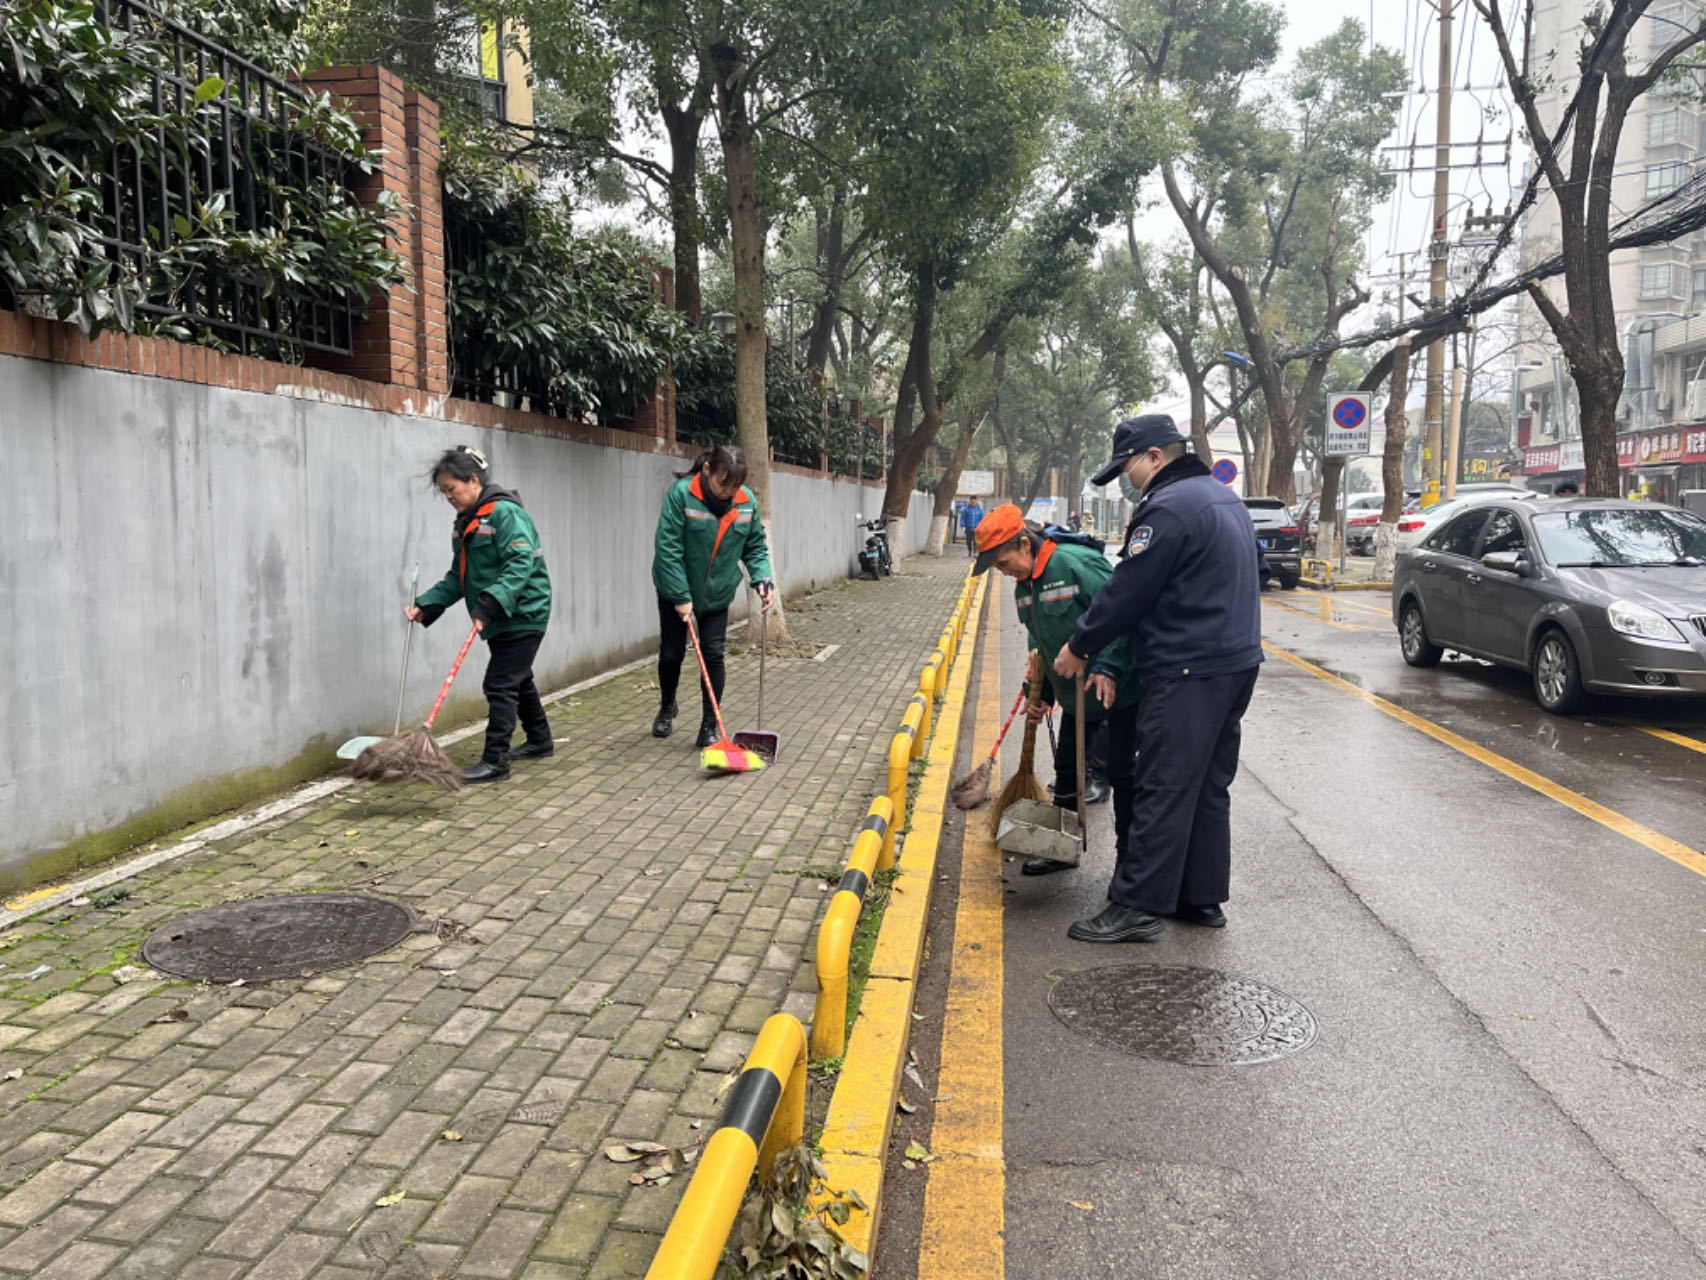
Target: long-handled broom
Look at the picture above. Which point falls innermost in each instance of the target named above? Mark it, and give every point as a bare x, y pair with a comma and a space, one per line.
1024, 784
722, 756
973, 789
414, 755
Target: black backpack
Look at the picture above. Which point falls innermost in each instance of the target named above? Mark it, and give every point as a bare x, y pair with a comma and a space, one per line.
1060, 533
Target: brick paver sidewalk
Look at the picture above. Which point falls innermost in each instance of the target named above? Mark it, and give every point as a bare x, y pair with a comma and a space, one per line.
626, 924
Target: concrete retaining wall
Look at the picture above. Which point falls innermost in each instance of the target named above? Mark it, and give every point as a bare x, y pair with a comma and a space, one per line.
203, 587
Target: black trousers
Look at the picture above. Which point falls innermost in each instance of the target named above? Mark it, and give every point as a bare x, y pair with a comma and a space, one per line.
672, 652
510, 691
971, 543
1179, 851
1118, 730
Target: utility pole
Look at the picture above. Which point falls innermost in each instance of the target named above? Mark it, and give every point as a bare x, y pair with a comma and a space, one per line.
1439, 251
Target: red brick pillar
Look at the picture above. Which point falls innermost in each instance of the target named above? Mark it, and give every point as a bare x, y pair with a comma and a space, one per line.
404, 340
432, 290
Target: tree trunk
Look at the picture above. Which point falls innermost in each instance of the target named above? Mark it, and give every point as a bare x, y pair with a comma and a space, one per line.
1327, 524
1392, 464
1199, 418
1283, 438
746, 243
909, 451
683, 125
831, 238
943, 511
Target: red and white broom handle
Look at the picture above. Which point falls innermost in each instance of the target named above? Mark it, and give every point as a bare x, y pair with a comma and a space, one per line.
1006, 724
451, 678
705, 673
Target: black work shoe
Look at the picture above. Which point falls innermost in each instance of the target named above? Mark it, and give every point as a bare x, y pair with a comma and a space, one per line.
1207, 916
1117, 924
664, 725
707, 734
485, 771
1044, 867
1096, 790
1064, 799
534, 751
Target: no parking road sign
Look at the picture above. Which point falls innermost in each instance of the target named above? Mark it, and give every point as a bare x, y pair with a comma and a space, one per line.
1347, 424
1225, 471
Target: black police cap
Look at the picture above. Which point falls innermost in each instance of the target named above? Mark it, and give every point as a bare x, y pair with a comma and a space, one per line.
1134, 436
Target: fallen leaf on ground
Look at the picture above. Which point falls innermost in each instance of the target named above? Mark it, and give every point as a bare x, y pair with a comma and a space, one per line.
129, 973
907, 1164
79, 902
14, 1073
450, 1135
943, 1097
905, 1106
1081, 1204
620, 1154
177, 1015
918, 1151
638, 1179
386, 1201
912, 1075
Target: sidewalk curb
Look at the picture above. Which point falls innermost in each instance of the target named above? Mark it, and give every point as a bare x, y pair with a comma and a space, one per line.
32, 902
861, 1110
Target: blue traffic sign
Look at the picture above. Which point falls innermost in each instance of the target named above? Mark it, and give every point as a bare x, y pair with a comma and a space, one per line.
1349, 414
1225, 471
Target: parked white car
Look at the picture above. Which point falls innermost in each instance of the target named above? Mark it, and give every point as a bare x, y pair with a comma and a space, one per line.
1413, 526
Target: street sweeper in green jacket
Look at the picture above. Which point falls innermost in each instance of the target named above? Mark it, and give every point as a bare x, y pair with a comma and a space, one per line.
708, 529
498, 570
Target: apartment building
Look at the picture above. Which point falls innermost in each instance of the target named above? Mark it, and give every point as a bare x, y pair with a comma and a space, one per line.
1659, 291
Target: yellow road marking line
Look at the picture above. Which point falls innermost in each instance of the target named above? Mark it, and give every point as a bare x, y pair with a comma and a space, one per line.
964, 1199
1345, 602
1680, 739
861, 1110
1324, 617
1675, 850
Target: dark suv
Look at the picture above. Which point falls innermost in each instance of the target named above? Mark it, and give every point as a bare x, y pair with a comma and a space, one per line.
1276, 531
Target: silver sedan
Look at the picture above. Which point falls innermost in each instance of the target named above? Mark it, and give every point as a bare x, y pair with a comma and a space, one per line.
1589, 595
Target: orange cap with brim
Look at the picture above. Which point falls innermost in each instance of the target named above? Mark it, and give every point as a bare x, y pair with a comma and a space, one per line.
995, 531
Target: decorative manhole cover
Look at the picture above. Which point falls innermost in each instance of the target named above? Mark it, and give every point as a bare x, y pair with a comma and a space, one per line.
1178, 1013
260, 939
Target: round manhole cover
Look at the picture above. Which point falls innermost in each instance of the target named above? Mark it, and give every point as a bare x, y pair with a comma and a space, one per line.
285, 937
1179, 1013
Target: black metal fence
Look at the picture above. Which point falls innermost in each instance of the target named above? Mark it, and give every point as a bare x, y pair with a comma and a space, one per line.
244, 150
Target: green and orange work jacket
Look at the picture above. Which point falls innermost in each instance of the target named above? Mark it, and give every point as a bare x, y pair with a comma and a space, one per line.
698, 555
495, 554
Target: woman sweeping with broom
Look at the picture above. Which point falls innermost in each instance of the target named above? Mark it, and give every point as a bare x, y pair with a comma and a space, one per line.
498, 569
709, 527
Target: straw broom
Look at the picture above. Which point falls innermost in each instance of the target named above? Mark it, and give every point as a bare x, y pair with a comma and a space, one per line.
413, 755
1024, 784
973, 789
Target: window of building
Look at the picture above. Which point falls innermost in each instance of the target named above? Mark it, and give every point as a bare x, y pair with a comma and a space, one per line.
1655, 281
1699, 285
1662, 179
1663, 126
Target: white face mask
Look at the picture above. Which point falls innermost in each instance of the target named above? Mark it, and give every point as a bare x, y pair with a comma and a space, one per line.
1129, 490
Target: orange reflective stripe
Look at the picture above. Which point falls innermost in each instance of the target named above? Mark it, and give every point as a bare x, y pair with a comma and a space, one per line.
462, 562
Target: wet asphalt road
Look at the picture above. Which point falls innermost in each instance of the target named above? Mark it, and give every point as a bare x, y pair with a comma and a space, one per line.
1510, 1074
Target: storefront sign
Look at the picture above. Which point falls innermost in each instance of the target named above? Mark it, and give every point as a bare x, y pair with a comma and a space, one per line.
1540, 460
1483, 468
1634, 449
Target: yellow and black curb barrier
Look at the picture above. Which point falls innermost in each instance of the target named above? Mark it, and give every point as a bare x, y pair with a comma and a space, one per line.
835, 934
766, 1110
765, 1114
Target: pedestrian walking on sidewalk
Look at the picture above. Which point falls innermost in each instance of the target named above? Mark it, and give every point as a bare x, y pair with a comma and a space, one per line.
971, 515
498, 569
1055, 579
709, 527
1188, 599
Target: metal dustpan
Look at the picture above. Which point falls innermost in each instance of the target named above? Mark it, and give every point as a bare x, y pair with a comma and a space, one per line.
761, 741
355, 746
1034, 830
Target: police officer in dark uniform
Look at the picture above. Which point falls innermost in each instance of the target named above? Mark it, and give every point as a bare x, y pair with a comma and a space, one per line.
1188, 596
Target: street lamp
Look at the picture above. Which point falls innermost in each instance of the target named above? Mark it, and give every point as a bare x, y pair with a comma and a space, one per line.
724, 323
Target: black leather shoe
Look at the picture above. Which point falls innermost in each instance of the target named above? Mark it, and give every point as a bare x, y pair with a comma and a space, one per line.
1117, 924
486, 772
664, 725
534, 751
707, 734
1043, 867
1064, 799
1096, 790
1207, 916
